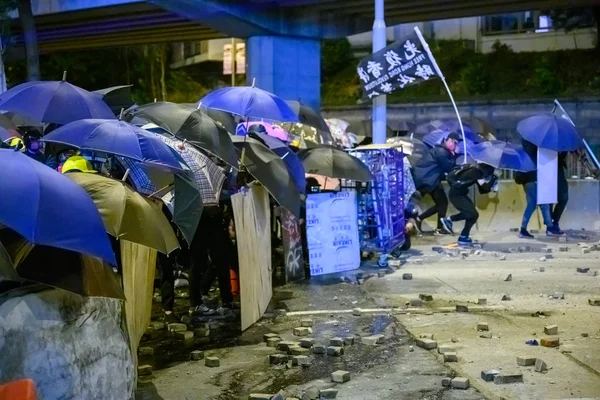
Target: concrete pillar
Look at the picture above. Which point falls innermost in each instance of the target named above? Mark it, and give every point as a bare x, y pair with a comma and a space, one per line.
289, 67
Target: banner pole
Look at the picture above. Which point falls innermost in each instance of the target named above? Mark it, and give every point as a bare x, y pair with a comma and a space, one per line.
439, 71
379, 119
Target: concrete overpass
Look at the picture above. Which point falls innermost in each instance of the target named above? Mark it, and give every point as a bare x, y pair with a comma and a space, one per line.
283, 36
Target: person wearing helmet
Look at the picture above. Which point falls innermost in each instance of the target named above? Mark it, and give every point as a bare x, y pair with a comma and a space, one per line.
77, 164
33, 146
16, 144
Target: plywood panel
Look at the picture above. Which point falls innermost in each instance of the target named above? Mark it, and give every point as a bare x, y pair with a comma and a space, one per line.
252, 223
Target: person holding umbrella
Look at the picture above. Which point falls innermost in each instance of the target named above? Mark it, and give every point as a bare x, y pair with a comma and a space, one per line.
428, 174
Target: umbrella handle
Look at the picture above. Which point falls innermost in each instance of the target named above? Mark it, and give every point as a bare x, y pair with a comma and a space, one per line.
126, 175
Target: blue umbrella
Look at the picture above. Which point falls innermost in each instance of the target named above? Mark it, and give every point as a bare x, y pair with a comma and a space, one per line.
49, 209
549, 131
504, 155
56, 102
291, 160
118, 138
249, 102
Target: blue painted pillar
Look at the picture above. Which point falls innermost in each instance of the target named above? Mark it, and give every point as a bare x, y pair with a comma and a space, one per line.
289, 67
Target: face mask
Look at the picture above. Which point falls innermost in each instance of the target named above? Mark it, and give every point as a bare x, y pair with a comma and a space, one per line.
451, 145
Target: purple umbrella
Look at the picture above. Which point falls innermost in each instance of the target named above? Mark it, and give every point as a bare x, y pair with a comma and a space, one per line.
49, 209
56, 102
549, 131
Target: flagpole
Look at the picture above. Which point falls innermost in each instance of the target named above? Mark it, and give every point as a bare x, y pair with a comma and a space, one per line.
379, 102
439, 71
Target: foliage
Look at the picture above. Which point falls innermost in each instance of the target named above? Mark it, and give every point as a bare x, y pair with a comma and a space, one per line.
335, 55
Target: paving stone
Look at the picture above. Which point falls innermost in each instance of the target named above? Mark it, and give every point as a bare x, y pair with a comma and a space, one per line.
594, 301
330, 393
302, 331
336, 341
506, 297
426, 297
563, 249
563, 239
340, 376
306, 323
277, 359
585, 251
177, 327
525, 361
508, 278
381, 274
487, 335
483, 326
273, 342
585, 334
489, 375
540, 365
280, 313
283, 294
558, 295
299, 351
426, 336
446, 382
285, 345
144, 370
547, 250
446, 348
426, 344
462, 308
202, 332
212, 362
187, 335
416, 303
260, 396
357, 312
542, 269
482, 302
312, 393
145, 351
407, 277
582, 270
450, 357
319, 349
369, 340
460, 383
300, 361
550, 342
268, 336
335, 351
507, 378
307, 343
349, 341
551, 329
157, 325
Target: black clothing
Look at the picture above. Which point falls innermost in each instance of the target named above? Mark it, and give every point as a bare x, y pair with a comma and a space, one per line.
466, 210
166, 266
562, 188
430, 171
440, 206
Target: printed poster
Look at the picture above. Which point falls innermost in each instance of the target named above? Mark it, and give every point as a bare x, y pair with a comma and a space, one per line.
332, 232
547, 176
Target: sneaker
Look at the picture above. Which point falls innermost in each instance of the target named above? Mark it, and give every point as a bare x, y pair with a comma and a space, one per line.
557, 229
447, 224
553, 231
202, 309
465, 241
523, 234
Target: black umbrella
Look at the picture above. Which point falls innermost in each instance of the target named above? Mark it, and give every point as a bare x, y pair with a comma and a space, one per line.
416, 150
192, 125
117, 97
224, 118
308, 116
334, 163
270, 171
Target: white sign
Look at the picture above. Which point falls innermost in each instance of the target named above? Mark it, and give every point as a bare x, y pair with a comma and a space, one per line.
240, 58
332, 232
547, 176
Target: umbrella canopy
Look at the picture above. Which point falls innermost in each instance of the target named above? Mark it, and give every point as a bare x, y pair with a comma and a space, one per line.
118, 138
126, 214
308, 116
56, 102
310, 135
339, 123
7, 123
270, 171
417, 151
192, 125
291, 160
227, 120
63, 269
249, 102
549, 131
438, 136
116, 97
272, 130
504, 155
334, 163
4, 134
48, 209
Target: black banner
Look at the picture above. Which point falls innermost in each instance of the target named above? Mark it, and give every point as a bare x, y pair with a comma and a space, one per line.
400, 64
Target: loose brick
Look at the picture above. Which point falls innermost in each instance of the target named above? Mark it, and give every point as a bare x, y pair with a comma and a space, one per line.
369, 340
542, 269
585, 251
407, 277
426, 344
547, 250
336, 341
416, 303
426, 297
212, 362
558, 295
277, 359
144, 370
487, 335
563, 239
550, 342
187, 335
357, 312
525, 361
330, 393
319, 349
202, 332
446, 348
545, 257
298, 351
349, 341
508, 278
340, 376
285, 345
145, 351
540, 365
489, 375
273, 342
268, 336
307, 343
582, 270
260, 396
551, 329
196, 355
563, 249
335, 351
302, 331
585, 334
482, 301
450, 357
177, 327
306, 323
507, 378
446, 382
462, 308
426, 336
300, 361
460, 383
483, 326
157, 325
594, 301
506, 297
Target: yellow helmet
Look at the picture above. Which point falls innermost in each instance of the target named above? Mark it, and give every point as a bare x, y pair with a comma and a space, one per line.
77, 163
17, 143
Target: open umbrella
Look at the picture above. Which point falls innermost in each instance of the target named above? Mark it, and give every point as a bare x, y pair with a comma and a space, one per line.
310, 135
416, 151
249, 102
227, 120
272, 130
504, 155
126, 214
334, 163
192, 125
116, 137
270, 171
116, 97
549, 131
56, 102
48, 209
308, 116
437, 136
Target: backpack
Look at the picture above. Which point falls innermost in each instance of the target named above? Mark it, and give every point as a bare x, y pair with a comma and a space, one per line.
453, 177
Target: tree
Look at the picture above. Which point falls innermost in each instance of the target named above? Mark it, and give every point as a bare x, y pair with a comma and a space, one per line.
6, 6
30, 40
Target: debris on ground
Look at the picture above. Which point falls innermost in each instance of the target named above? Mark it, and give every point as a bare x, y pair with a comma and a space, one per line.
550, 342
426, 344
144, 370
525, 361
551, 329
508, 378
196, 355
540, 365
340, 376
460, 383
489, 375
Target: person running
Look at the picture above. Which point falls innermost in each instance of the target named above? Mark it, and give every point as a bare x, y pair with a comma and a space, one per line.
428, 175
460, 181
